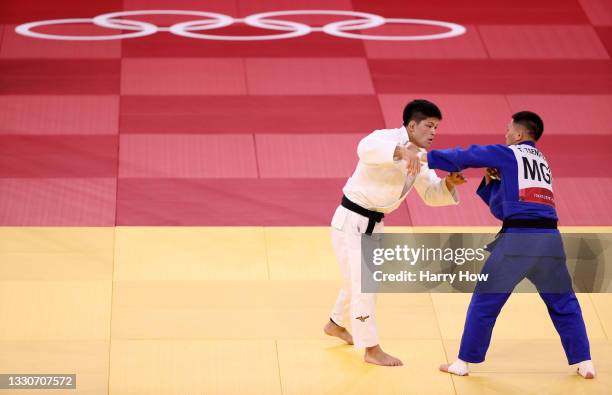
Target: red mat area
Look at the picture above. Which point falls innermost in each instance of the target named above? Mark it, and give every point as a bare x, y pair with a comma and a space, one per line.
605, 35
467, 46
59, 114
53, 76
22, 11
179, 76
307, 156
57, 201
492, 76
248, 114
15, 46
333, 76
247, 7
516, 12
542, 42
598, 11
187, 156
229, 7
583, 201
49, 156
168, 130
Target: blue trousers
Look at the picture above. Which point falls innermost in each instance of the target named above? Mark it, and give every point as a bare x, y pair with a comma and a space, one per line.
546, 273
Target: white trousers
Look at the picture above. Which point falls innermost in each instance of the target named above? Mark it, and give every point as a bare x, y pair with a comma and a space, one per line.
353, 309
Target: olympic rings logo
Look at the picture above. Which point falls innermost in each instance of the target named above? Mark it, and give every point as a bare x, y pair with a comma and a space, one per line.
264, 20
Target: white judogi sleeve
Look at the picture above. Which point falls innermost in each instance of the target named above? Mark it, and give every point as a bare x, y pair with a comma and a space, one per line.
377, 148
433, 189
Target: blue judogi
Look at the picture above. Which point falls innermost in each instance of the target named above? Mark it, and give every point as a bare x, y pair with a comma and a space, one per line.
524, 194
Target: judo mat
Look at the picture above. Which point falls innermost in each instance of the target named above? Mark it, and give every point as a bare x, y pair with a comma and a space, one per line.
165, 200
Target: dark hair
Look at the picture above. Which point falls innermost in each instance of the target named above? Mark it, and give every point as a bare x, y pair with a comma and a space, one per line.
419, 109
530, 121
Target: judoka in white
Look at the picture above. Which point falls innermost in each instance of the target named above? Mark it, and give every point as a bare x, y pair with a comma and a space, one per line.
385, 174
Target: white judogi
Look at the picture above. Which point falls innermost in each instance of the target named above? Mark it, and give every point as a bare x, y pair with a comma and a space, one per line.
380, 184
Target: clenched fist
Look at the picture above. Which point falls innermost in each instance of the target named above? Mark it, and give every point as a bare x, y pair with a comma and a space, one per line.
454, 179
492, 174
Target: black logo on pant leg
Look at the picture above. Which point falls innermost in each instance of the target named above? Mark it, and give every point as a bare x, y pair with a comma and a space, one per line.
362, 318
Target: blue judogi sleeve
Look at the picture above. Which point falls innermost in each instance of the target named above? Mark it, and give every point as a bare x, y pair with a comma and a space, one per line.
497, 156
457, 159
484, 190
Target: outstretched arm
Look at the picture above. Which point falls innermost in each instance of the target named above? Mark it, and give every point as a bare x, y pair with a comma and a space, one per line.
457, 159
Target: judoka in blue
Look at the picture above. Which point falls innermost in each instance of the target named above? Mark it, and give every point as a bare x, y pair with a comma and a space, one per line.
518, 190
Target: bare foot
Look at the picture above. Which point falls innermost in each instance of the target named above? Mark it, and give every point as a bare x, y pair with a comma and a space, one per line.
586, 375
332, 329
444, 368
586, 369
377, 356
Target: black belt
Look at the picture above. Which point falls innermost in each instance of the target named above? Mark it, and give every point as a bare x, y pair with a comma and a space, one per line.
530, 223
373, 216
